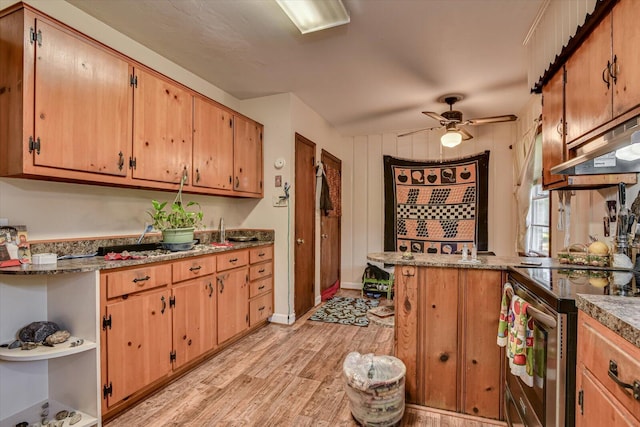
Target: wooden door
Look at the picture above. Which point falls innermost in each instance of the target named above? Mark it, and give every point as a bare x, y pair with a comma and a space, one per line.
588, 100
553, 144
330, 227
304, 228
626, 38
247, 155
162, 128
438, 338
82, 104
599, 407
481, 366
212, 145
193, 319
138, 342
233, 303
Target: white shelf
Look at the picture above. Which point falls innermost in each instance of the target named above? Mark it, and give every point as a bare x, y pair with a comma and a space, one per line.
42, 352
32, 415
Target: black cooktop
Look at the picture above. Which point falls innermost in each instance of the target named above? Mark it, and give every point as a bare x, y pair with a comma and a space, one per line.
559, 286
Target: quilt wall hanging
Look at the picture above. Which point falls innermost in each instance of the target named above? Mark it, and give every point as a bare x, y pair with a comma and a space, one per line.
436, 206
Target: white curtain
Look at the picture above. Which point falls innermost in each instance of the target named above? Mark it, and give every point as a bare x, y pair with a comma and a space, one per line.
525, 180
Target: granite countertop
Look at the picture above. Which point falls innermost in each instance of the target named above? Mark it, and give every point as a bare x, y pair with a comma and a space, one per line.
95, 263
486, 262
620, 314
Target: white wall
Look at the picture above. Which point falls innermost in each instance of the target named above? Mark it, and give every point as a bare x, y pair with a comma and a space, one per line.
363, 188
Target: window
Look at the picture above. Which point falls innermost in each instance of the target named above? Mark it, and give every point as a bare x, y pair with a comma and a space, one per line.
538, 220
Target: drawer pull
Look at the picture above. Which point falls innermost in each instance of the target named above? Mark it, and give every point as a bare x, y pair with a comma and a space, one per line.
141, 279
221, 283
195, 268
613, 374
261, 254
261, 271
164, 305
260, 287
261, 308
210, 289
232, 260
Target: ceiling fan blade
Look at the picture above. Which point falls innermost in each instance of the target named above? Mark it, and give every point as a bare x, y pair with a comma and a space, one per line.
465, 134
435, 116
494, 119
418, 131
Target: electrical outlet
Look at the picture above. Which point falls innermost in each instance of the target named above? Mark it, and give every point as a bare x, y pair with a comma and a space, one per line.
280, 202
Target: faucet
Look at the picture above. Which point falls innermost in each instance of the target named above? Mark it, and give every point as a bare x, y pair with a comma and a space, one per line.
147, 229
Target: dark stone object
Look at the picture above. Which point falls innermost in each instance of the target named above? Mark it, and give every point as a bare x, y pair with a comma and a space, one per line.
62, 415
37, 331
23, 424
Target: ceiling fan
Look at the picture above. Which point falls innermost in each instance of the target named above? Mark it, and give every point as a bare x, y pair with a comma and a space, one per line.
452, 121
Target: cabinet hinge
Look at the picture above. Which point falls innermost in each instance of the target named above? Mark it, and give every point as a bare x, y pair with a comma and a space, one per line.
247, 319
231, 123
260, 136
34, 145
261, 185
35, 37
107, 390
133, 81
132, 162
106, 323
581, 401
172, 356
172, 301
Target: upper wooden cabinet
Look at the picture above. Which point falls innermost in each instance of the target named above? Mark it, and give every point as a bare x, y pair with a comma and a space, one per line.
162, 128
553, 143
65, 101
212, 145
602, 73
247, 156
74, 110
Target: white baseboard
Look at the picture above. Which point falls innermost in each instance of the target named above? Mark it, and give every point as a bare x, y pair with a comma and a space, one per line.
283, 319
351, 285
318, 300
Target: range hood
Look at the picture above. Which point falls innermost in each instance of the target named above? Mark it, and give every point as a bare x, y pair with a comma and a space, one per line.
616, 151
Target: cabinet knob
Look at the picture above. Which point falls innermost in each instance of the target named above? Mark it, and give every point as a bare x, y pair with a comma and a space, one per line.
299, 241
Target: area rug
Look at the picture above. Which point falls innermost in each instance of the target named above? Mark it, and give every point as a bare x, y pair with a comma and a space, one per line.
345, 310
436, 206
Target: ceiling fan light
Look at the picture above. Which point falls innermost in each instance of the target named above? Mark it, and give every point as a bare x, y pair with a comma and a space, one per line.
451, 138
309, 15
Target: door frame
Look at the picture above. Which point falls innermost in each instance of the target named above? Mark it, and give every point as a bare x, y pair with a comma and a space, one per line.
324, 156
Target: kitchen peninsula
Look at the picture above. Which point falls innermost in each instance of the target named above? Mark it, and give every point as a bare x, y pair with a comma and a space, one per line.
142, 322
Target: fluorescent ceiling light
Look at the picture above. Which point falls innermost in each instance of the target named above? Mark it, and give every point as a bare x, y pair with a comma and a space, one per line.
315, 15
451, 138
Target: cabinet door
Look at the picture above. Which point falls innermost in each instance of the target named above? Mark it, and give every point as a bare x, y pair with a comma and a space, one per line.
138, 343
82, 104
626, 38
406, 326
194, 319
587, 96
553, 144
599, 407
212, 145
233, 303
162, 128
247, 156
481, 366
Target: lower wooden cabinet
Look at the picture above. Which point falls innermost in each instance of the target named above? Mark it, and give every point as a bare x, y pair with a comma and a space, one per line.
233, 308
445, 333
604, 360
138, 343
160, 319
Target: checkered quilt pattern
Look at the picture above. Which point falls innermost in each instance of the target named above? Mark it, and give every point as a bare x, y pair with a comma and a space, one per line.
436, 206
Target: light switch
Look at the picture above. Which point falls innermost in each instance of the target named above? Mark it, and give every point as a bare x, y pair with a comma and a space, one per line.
278, 180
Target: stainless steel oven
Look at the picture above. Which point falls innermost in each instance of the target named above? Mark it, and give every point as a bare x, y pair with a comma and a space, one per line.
545, 403
551, 294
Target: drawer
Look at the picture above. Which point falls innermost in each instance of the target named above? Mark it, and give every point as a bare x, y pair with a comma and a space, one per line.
137, 279
194, 267
260, 308
259, 271
598, 345
232, 260
262, 253
260, 287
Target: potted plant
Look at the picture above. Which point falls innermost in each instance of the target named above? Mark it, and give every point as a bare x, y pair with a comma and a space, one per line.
176, 222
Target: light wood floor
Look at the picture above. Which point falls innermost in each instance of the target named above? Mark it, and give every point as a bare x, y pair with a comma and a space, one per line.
278, 376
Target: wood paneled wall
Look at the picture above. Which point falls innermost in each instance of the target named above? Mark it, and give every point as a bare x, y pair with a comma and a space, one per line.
363, 187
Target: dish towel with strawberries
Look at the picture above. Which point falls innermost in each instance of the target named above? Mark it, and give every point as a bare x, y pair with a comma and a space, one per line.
515, 332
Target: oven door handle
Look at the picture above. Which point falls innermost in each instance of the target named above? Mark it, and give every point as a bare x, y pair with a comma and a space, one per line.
547, 320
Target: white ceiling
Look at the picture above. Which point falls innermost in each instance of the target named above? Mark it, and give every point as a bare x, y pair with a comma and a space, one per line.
376, 74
